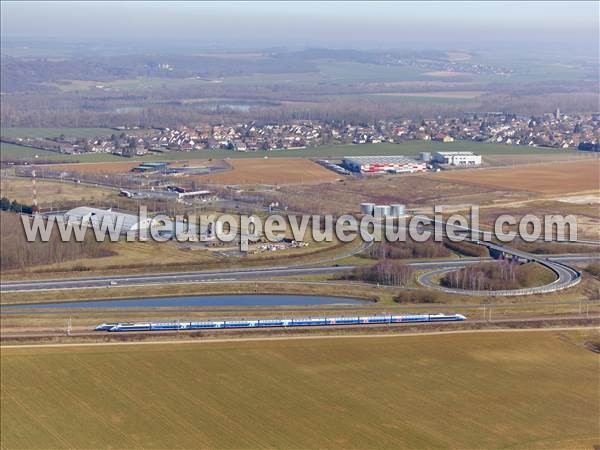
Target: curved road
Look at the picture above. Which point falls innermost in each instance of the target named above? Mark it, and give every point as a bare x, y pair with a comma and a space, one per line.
566, 276
236, 275
231, 275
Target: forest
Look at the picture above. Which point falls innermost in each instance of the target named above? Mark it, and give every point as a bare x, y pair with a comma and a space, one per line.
388, 272
492, 276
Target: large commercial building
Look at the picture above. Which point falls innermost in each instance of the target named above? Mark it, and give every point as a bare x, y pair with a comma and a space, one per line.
95, 218
457, 158
383, 164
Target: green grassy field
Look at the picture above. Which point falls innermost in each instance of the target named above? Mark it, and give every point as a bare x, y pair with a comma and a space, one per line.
325, 151
414, 148
328, 72
418, 99
482, 390
55, 132
11, 151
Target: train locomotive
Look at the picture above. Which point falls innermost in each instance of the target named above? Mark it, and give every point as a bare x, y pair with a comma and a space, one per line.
269, 323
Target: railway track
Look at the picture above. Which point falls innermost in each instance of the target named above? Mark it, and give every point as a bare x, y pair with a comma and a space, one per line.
500, 320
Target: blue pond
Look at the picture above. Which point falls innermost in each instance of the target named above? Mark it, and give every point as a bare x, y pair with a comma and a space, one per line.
199, 301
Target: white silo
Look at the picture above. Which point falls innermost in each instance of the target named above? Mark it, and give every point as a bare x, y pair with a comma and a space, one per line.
398, 209
367, 208
218, 228
381, 211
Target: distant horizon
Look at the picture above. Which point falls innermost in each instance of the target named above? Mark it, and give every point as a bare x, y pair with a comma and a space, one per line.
588, 49
246, 25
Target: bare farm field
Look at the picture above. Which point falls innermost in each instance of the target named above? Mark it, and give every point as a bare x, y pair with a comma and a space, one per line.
552, 178
50, 191
518, 159
418, 192
384, 392
271, 171
589, 199
587, 214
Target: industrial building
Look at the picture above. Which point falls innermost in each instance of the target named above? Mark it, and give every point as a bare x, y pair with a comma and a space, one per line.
457, 158
94, 217
151, 167
175, 194
383, 164
394, 210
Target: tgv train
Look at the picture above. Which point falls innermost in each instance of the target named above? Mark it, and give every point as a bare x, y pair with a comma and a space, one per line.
267, 323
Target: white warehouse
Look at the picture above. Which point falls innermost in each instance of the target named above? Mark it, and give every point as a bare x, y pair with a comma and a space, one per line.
383, 164
94, 217
457, 158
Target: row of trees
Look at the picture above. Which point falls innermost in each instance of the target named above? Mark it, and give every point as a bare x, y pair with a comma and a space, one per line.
407, 250
594, 269
276, 102
17, 253
428, 249
541, 247
15, 206
491, 276
386, 272
418, 296
466, 248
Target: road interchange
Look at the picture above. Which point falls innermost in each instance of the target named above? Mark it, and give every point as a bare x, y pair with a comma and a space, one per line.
237, 275
566, 276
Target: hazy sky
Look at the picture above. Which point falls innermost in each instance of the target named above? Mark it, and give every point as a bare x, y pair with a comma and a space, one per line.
341, 24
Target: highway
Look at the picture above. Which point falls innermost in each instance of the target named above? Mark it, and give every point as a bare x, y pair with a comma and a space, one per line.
565, 276
236, 275
200, 276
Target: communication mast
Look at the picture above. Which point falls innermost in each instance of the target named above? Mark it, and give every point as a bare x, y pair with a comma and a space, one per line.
34, 208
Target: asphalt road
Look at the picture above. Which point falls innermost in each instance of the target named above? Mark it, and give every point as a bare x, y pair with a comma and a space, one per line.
232, 275
566, 277
199, 276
